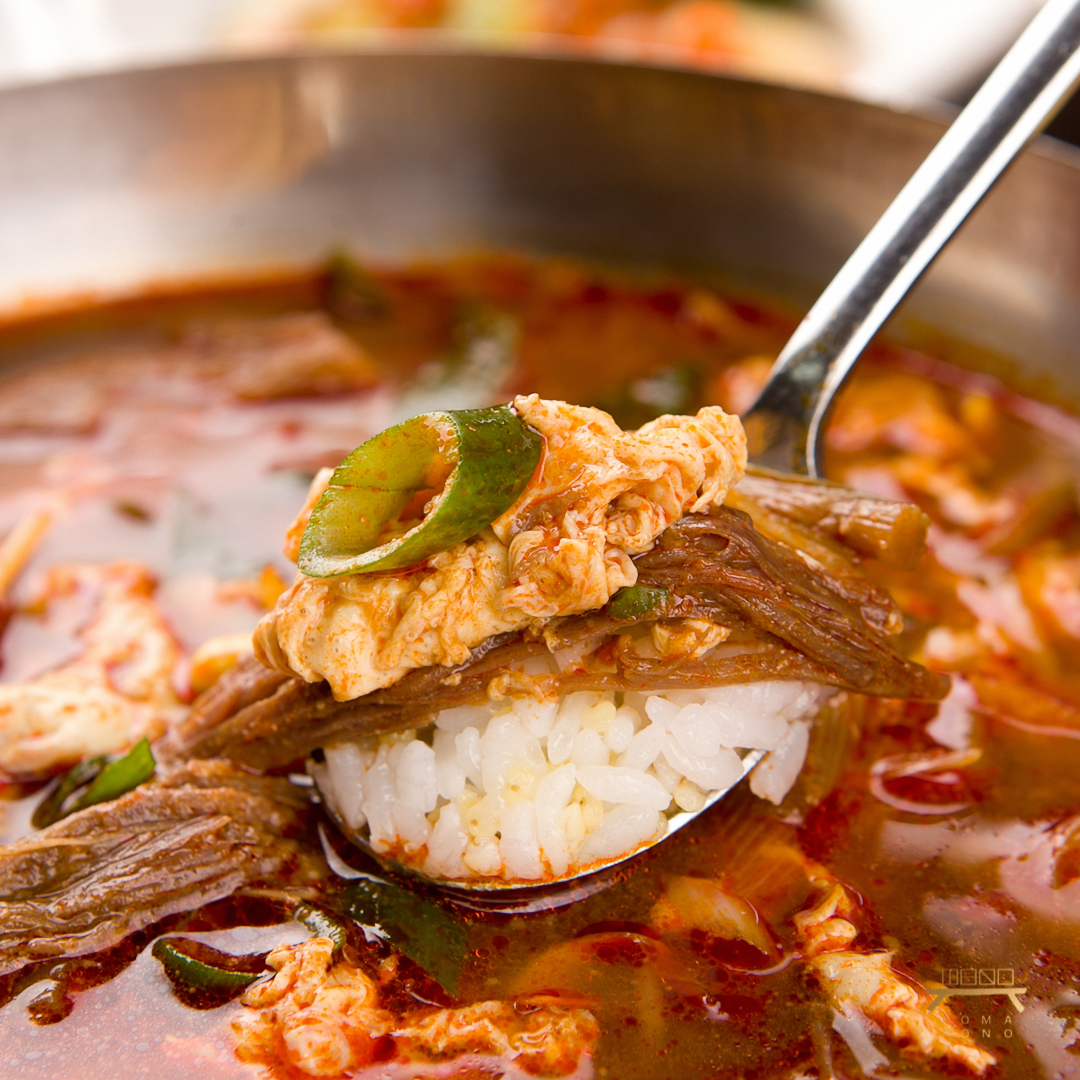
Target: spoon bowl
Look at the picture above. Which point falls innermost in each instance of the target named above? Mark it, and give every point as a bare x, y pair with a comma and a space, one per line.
498, 894
786, 425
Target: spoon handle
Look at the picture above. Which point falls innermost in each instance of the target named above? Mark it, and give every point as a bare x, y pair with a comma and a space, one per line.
787, 422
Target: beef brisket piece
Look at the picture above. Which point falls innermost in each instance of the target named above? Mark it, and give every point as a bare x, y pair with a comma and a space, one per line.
792, 619
88, 881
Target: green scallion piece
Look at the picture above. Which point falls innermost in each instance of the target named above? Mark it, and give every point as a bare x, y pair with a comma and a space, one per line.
636, 601
51, 809
433, 935
465, 467
120, 777
107, 780
197, 975
321, 925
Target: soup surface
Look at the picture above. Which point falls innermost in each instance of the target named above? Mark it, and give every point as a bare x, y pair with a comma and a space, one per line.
160, 448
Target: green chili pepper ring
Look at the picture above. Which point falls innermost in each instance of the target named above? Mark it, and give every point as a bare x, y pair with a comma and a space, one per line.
478, 460
107, 780
322, 925
120, 777
196, 974
636, 601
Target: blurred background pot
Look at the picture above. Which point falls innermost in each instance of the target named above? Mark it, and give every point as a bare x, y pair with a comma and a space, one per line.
112, 181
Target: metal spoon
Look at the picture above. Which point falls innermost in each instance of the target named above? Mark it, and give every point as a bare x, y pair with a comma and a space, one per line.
787, 423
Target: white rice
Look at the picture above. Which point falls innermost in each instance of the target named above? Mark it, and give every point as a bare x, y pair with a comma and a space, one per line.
524, 789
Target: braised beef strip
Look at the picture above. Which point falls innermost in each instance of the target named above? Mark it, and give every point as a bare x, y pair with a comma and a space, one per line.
87, 882
792, 619
892, 532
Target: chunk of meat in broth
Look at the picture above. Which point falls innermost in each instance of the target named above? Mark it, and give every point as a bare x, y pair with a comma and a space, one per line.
195, 836
118, 690
296, 355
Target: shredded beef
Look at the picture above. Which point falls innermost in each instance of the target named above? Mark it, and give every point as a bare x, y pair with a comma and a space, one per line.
893, 532
87, 882
792, 620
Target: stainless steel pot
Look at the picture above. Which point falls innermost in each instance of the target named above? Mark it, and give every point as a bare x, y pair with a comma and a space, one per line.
112, 181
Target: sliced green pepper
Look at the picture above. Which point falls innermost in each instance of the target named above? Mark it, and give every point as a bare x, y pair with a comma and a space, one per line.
120, 777
198, 975
51, 808
321, 925
433, 936
636, 601
107, 780
473, 462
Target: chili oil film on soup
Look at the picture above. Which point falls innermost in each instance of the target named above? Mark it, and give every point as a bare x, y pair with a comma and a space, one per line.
244, 802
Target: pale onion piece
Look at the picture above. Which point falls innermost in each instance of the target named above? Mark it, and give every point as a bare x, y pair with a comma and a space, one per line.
345, 765
774, 777
952, 725
702, 904
933, 761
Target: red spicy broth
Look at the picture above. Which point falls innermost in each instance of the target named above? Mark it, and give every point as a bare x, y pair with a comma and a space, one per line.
956, 831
